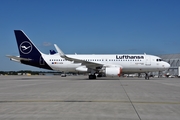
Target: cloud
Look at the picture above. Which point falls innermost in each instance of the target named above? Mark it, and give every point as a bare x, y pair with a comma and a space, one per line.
46, 44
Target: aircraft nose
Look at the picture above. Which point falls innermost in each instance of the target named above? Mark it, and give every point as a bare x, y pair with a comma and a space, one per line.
167, 65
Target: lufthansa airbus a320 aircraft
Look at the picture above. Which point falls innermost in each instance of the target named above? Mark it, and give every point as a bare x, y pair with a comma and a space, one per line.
108, 64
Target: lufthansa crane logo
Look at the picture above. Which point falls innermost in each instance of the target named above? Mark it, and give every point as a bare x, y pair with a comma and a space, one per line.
25, 47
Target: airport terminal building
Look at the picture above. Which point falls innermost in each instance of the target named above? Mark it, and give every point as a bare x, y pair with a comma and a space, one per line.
174, 61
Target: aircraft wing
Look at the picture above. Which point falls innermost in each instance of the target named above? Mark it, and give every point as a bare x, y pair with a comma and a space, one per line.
88, 64
83, 62
18, 58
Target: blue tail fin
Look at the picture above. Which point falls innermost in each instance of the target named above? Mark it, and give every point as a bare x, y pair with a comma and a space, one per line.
52, 52
26, 48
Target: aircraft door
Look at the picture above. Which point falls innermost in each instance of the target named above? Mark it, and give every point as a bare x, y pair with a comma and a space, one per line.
41, 61
148, 60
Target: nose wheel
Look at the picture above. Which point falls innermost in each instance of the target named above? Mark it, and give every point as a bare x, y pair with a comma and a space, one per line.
146, 76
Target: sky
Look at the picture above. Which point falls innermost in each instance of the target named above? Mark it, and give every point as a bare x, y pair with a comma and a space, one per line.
90, 27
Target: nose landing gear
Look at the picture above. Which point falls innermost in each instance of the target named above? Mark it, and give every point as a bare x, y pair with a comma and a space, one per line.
146, 76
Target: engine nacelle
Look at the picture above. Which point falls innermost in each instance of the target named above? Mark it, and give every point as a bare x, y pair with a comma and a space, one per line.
113, 71
82, 69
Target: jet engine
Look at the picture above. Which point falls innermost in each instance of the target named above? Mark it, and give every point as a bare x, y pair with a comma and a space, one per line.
113, 71
82, 69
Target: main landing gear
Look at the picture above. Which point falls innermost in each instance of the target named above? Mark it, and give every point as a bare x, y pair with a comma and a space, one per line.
92, 76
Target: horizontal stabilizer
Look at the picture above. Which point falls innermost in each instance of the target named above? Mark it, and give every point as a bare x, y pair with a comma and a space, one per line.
18, 58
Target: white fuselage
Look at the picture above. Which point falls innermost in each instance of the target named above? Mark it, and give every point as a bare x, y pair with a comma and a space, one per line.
130, 63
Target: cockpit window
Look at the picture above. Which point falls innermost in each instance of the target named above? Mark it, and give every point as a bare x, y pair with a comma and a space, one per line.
158, 59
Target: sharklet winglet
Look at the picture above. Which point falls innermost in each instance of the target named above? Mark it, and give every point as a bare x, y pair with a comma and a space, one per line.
59, 51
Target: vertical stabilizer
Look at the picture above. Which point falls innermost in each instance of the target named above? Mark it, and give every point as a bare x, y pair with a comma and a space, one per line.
29, 53
26, 48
